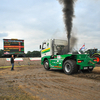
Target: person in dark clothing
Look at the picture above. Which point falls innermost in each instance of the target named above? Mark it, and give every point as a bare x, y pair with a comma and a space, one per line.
12, 62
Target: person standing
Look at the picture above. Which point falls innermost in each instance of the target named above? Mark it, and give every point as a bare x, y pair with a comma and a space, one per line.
12, 62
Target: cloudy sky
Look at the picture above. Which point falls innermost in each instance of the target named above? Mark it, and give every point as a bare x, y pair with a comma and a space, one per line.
39, 20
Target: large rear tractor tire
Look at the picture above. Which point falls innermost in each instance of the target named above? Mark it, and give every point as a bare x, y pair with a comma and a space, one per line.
97, 57
70, 67
46, 65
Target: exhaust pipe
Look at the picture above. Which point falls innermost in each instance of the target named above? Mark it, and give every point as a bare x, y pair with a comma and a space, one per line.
69, 43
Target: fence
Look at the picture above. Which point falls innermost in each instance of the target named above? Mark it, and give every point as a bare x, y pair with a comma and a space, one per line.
20, 61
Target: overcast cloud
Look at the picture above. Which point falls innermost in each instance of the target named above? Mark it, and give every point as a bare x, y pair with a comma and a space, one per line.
38, 20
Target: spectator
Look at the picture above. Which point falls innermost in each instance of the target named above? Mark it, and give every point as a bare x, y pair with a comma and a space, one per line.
12, 62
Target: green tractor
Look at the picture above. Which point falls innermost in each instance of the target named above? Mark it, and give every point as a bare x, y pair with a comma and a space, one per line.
94, 53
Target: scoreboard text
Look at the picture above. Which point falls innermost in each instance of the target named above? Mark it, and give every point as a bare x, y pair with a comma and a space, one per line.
13, 46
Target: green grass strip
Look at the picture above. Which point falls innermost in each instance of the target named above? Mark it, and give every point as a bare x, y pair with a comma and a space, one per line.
11, 66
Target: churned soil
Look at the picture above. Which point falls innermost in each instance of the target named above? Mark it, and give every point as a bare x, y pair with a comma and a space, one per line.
35, 83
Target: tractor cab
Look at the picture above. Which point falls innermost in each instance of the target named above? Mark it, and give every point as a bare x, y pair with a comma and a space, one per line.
92, 51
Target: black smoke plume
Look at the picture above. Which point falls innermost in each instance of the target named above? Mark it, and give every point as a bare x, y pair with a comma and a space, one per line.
68, 10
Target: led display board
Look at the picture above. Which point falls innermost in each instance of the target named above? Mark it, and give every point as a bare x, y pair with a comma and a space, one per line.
13, 46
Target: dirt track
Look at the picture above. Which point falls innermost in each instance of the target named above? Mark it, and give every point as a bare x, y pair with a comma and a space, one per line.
49, 85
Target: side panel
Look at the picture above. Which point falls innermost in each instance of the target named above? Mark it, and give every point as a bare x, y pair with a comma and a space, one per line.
57, 62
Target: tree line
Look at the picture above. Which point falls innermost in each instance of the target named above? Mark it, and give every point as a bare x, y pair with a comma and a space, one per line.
33, 54
28, 54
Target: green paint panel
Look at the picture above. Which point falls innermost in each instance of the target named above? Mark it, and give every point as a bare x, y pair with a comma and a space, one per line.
59, 59
45, 51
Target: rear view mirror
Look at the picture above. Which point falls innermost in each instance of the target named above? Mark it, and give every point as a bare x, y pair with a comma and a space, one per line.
40, 46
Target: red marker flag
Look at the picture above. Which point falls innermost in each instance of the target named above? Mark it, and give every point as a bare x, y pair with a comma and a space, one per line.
83, 47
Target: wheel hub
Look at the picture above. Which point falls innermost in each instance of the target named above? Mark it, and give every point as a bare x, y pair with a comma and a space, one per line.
46, 64
67, 67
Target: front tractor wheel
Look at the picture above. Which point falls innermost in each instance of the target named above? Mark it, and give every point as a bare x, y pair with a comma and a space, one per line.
70, 67
46, 65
